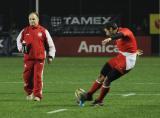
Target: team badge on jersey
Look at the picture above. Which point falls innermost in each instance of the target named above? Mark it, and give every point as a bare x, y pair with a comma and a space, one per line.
40, 34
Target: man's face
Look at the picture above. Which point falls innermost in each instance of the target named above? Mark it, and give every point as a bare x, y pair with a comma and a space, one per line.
110, 31
33, 20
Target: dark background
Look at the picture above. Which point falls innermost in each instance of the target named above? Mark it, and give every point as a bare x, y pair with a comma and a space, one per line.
132, 12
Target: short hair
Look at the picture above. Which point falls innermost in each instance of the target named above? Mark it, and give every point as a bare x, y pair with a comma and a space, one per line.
35, 13
111, 25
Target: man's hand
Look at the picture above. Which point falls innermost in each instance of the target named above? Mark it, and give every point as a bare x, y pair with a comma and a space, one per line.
105, 41
49, 60
139, 52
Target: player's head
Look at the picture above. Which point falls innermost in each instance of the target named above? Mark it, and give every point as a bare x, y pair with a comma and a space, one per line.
111, 28
33, 19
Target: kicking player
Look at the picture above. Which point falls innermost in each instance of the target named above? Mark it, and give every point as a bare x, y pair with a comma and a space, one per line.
117, 66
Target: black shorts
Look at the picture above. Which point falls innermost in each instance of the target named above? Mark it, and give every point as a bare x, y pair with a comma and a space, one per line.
111, 73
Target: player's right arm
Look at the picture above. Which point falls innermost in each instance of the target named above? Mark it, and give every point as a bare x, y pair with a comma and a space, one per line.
19, 43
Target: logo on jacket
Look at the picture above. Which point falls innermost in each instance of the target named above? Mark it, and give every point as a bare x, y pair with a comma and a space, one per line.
40, 34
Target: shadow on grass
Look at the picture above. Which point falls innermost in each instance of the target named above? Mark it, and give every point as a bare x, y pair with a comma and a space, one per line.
54, 105
6, 93
11, 100
59, 106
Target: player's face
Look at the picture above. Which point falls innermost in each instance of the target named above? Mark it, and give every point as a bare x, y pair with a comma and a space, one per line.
33, 20
110, 31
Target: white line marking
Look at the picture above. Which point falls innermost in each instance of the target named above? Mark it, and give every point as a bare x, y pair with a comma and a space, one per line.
56, 111
135, 94
149, 94
129, 94
147, 83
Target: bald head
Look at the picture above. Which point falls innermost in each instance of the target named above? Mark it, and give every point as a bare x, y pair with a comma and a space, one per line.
33, 19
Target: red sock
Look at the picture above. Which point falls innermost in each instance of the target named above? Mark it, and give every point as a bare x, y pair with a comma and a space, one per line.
104, 91
96, 85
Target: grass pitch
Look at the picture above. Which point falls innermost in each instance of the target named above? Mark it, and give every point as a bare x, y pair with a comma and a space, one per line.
135, 95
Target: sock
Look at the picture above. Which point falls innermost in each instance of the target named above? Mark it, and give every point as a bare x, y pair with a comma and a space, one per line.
104, 91
96, 85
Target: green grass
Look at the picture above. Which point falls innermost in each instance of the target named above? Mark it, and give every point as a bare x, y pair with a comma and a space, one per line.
64, 75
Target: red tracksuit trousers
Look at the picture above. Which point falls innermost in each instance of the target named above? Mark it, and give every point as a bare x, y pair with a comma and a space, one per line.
33, 77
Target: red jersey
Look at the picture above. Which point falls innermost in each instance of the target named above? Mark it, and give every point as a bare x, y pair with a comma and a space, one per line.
38, 39
128, 43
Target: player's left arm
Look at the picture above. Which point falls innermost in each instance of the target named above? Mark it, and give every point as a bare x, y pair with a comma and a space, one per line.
116, 36
51, 46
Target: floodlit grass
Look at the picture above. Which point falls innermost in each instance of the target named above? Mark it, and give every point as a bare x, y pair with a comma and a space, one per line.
64, 75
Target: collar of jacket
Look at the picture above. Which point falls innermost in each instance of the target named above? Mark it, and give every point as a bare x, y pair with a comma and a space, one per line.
34, 27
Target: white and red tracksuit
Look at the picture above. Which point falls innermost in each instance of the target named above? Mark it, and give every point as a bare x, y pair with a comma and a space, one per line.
41, 44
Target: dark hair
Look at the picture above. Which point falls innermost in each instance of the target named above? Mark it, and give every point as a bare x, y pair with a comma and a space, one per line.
111, 25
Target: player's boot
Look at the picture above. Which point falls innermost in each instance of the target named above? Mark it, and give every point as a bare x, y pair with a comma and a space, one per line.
85, 97
29, 97
97, 103
88, 97
82, 99
37, 99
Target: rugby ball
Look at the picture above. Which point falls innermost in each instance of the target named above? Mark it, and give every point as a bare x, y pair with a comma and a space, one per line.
78, 94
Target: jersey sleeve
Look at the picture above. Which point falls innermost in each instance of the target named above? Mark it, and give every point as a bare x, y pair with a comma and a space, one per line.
19, 44
51, 45
125, 32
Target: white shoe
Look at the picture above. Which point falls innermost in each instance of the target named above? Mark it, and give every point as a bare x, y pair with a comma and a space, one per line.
37, 99
29, 97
